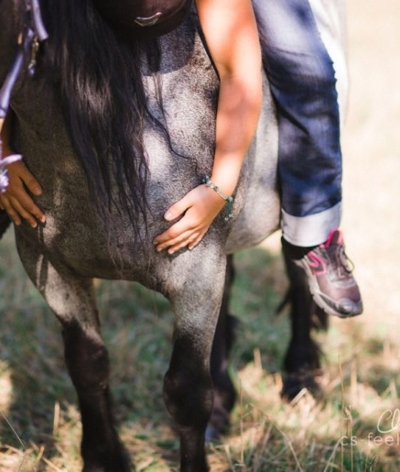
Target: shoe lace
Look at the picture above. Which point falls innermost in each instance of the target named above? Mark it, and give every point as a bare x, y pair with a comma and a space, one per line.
339, 262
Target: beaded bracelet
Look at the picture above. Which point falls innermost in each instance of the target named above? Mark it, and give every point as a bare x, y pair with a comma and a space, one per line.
229, 200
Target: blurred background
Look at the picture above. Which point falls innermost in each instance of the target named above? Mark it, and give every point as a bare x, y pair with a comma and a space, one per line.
39, 422
371, 151
372, 159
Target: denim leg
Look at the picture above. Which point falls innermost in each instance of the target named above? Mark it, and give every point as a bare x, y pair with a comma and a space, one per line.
302, 81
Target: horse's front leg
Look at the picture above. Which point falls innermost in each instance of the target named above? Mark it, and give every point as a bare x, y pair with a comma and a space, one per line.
188, 390
72, 300
87, 361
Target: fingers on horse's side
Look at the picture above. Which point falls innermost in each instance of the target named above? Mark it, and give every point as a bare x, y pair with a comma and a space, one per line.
24, 213
177, 209
11, 212
25, 178
190, 242
34, 210
180, 242
195, 241
163, 240
33, 186
22, 207
188, 239
177, 234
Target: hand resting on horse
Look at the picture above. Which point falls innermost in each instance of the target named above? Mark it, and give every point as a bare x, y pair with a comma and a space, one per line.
199, 208
16, 200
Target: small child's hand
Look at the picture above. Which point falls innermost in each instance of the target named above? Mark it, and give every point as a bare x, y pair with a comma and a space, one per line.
199, 208
17, 201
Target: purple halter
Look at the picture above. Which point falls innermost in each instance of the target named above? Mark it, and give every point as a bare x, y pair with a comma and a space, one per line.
32, 34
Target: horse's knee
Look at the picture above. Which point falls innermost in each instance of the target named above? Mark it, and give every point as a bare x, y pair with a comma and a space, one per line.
86, 357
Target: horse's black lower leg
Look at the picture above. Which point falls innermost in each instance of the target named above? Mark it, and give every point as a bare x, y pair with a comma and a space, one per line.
302, 359
72, 300
224, 390
88, 365
188, 396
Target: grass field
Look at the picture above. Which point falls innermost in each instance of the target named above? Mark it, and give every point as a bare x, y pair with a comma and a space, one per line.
355, 428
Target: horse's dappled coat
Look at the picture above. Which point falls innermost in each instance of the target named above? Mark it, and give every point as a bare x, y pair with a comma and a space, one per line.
74, 246
64, 255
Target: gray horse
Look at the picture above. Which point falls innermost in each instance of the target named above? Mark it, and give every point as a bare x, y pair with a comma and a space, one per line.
82, 241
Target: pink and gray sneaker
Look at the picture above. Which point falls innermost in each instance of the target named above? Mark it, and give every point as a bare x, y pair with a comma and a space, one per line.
330, 278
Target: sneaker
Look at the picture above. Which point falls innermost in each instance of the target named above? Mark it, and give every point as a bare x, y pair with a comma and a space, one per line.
329, 274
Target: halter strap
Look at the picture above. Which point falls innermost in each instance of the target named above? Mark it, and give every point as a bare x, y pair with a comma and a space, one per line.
33, 33
37, 21
13, 74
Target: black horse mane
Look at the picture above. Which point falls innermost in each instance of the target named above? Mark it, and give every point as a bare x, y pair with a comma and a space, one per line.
99, 78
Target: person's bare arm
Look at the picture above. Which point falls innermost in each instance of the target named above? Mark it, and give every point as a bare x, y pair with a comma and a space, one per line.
231, 34
16, 200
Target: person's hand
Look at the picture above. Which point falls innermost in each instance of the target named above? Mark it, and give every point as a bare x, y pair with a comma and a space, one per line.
16, 200
199, 208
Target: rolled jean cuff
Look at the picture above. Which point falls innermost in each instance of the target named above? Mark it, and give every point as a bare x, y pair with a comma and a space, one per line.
311, 230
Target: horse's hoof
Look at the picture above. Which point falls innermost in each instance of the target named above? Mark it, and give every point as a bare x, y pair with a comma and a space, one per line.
293, 384
117, 462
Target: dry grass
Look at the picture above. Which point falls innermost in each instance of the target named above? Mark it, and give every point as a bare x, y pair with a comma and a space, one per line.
39, 422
